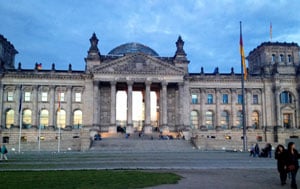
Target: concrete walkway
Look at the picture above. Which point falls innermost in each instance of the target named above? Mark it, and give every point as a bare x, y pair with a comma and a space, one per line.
198, 169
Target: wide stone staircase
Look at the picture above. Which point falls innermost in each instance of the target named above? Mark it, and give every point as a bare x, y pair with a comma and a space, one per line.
135, 143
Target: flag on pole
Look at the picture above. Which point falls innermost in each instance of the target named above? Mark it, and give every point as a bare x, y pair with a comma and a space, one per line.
270, 31
242, 53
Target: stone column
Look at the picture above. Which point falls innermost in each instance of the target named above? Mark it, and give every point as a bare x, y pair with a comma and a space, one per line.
129, 127
233, 107
69, 107
1, 106
20, 93
262, 118
181, 99
218, 125
113, 127
96, 104
35, 111
52, 112
202, 113
277, 106
248, 109
165, 127
147, 126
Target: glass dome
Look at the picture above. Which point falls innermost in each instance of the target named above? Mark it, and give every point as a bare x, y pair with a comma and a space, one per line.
132, 48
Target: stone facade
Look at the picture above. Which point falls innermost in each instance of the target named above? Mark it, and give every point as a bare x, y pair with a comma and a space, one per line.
200, 104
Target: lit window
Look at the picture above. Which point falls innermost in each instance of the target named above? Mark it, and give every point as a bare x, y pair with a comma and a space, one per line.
61, 119
77, 118
194, 119
255, 119
9, 119
10, 96
225, 98
210, 99
194, 99
27, 96
209, 121
44, 118
27, 114
240, 99
77, 97
225, 119
255, 99
44, 96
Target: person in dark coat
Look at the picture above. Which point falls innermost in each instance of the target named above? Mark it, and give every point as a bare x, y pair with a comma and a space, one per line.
281, 156
292, 163
256, 150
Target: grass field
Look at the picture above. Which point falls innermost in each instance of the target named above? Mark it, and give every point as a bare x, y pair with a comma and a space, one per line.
84, 179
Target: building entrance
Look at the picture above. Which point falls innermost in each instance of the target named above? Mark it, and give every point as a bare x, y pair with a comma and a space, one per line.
138, 109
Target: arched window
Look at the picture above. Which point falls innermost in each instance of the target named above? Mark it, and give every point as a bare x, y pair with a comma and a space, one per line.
9, 118
194, 119
61, 118
27, 118
77, 118
255, 120
209, 119
286, 97
239, 119
44, 118
225, 120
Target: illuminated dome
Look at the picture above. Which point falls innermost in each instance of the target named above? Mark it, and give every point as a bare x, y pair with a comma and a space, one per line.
132, 48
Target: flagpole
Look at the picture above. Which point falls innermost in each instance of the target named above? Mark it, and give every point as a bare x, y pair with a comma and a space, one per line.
243, 91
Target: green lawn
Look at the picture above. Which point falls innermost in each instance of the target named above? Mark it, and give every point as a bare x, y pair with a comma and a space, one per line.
85, 179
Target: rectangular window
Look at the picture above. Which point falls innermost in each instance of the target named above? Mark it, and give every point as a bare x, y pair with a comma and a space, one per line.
194, 99
255, 99
210, 99
225, 98
10, 96
240, 99
77, 97
27, 97
44, 96
273, 58
289, 58
281, 58
61, 97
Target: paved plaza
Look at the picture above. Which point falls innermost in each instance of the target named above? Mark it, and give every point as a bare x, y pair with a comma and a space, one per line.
199, 169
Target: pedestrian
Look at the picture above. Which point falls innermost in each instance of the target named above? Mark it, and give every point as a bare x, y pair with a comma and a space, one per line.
3, 152
292, 163
256, 150
281, 156
252, 151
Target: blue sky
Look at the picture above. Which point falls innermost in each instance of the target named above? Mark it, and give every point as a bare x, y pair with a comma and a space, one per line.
58, 32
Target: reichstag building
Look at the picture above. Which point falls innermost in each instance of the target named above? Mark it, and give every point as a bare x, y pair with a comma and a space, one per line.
136, 89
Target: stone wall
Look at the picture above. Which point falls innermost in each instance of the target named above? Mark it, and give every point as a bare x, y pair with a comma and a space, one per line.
71, 140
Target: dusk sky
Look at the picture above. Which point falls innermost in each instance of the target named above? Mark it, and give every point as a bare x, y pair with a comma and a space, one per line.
58, 32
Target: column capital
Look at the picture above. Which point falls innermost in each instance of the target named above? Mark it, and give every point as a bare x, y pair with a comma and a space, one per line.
113, 82
164, 83
130, 82
148, 82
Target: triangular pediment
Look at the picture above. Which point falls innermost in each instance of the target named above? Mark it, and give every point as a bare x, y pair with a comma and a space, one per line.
138, 64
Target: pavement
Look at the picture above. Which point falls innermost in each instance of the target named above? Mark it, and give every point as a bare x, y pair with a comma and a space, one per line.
199, 169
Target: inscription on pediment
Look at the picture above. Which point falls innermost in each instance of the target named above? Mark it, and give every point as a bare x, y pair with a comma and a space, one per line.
139, 65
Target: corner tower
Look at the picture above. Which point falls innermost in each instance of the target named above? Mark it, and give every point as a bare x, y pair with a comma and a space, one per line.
93, 57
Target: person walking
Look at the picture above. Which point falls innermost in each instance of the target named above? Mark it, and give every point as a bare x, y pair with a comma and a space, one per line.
292, 163
3, 152
281, 156
256, 150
